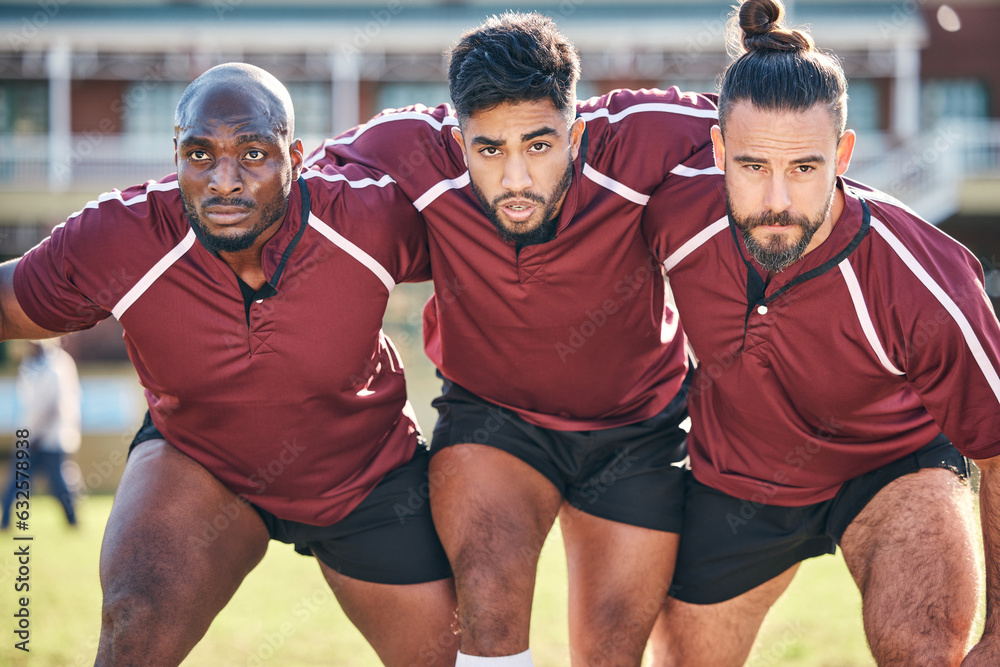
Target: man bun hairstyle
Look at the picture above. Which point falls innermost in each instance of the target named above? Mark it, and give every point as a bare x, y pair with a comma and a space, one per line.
778, 68
512, 58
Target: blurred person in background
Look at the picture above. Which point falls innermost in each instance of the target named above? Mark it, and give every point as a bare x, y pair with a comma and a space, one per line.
48, 389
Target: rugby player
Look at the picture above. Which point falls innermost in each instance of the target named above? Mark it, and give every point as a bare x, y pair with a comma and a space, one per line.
562, 363
252, 295
848, 363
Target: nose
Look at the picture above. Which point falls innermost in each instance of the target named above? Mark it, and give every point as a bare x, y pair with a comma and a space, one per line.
515, 174
226, 178
777, 197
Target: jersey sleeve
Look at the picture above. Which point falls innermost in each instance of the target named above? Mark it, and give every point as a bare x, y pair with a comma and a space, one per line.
642, 136
74, 278
688, 202
945, 335
370, 211
413, 145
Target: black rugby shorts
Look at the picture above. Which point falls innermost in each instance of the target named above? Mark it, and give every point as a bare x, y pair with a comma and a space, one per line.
388, 539
730, 545
631, 474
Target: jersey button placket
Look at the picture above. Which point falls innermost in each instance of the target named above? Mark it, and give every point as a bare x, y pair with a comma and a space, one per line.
261, 327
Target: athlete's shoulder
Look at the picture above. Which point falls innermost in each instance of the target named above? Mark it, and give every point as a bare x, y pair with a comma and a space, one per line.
352, 187
363, 209
903, 228
134, 210
649, 104
391, 130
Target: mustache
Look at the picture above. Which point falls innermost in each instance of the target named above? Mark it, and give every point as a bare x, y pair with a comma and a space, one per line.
525, 195
772, 219
229, 201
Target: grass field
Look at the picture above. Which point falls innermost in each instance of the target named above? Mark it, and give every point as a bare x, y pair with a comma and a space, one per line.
284, 615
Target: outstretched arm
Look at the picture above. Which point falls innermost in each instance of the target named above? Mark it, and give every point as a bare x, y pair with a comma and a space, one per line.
987, 651
14, 323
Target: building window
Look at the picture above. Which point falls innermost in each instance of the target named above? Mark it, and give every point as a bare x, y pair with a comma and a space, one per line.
312, 108
24, 107
148, 108
864, 111
953, 98
396, 94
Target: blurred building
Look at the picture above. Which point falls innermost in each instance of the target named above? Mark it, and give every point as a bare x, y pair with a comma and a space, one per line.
88, 89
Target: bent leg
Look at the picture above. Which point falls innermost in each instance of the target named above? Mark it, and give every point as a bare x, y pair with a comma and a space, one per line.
912, 552
411, 624
176, 547
492, 512
618, 579
714, 635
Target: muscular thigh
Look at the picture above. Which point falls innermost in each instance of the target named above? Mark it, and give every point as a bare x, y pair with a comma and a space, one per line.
175, 531
913, 543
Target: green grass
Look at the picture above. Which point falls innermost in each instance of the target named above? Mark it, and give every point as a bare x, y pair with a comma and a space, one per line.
285, 615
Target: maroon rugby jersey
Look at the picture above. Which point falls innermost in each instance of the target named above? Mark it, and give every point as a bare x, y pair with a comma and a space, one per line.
304, 410
572, 334
858, 354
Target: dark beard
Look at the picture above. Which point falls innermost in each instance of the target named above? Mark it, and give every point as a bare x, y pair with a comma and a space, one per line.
776, 256
550, 215
272, 213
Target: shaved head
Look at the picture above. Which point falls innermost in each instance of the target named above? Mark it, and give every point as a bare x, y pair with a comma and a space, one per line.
238, 81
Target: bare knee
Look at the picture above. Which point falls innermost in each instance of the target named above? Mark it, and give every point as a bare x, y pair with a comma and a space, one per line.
616, 635
902, 649
134, 627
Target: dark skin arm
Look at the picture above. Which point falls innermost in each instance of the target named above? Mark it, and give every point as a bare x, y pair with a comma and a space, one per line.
13, 321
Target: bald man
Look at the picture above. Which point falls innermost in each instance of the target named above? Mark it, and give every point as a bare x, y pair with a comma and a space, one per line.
251, 293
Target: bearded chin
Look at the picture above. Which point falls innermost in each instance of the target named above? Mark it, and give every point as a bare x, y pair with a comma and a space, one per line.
545, 231
774, 254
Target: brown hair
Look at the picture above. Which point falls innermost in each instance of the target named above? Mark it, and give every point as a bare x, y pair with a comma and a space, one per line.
512, 58
779, 68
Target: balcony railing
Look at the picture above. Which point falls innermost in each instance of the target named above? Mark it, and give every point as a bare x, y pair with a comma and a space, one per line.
925, 173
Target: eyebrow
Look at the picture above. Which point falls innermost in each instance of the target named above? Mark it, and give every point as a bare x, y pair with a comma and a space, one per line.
809, 159
497, 143
255, 138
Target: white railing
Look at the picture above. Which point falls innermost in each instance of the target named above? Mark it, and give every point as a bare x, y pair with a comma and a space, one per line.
925, 172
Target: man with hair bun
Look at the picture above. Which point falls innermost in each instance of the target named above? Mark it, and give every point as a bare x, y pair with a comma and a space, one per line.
562, 362
843, 345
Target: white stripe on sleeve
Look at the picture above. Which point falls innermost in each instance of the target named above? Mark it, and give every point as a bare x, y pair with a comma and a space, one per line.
694, 243
158, 270
352, 250
438, 189
661, 107
861, 308
613, 185
978, 353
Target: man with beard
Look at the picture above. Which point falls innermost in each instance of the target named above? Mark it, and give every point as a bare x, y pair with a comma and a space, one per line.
844, 344
252, 295
563, 366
